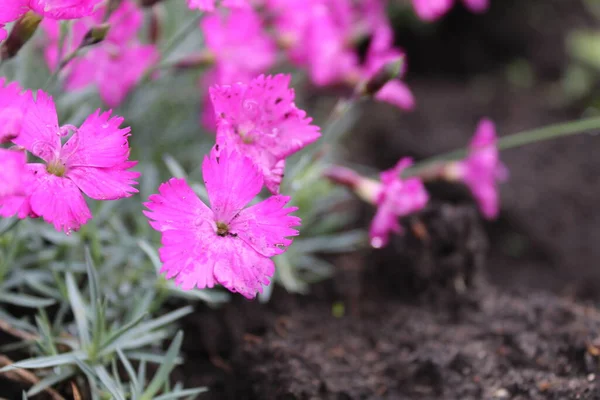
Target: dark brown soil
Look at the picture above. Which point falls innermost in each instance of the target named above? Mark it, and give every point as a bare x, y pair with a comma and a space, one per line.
458, 308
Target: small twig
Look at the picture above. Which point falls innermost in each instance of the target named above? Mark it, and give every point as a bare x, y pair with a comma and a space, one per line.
11, 330
22, 375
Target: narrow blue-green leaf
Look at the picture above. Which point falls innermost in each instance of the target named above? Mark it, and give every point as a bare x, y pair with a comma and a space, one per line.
130, 371
182, 393
109, 383
109, 344
50, 380
25, 300
166, 319
93, 284
79, 310
47, 362
151, 253
162, 375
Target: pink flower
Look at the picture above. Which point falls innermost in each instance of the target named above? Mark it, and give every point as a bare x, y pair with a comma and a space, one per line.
317, 34
226, 243
380, 53
482, 169
396, 198
12, 169
94, 160
260, 120
11, 110
239, 44
430, 10
116, 64
11, 10
209, 5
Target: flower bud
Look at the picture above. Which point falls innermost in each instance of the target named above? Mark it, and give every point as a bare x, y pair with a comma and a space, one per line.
95, 35
22, 31
365, 188
389, 71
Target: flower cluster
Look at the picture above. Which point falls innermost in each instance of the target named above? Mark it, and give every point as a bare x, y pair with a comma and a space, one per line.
93, 160
115, 65
11, 10
431, 10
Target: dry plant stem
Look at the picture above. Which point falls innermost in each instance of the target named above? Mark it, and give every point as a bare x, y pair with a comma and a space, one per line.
515, 140
11, 330
22, 375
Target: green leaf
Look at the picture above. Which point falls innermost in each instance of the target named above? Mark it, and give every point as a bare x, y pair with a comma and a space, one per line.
25, 300
93, 284
109, 344
79, 310
162, 375
50, 380
47, 362
130, 371
182, 393
109, 383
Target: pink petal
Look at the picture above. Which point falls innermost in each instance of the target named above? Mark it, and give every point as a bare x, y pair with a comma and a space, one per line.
203, 5
12, 110
384, 222
265, 226
231, 181
99, 142
430, 10
59, 201
241, 269
477, 6
11, 10
39, 132
398, 94
239, 43
177, 207
63, 9
12, 171
104, 183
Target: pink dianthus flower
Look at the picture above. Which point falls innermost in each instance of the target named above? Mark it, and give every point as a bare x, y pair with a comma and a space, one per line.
94, 160
380, 53
226, 243
12, 170
116, 64
240, 47
11, 110
430, 10
395, 197
260, 120
11, 10
482, 169
209, 5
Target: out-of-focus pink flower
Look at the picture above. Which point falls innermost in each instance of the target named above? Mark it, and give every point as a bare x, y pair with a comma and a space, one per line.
209, 5
94, 160
14, 181
239, 44
12, 108
482, 169
227, 243
431, 10
260, 120
12, 169
318, 36
11, 10
395, 197
116, 64
380, 53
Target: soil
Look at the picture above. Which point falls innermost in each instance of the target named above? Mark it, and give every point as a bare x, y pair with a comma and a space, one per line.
458, 308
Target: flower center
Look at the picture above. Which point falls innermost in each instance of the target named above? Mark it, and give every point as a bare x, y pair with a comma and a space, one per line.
222, 229
56, 168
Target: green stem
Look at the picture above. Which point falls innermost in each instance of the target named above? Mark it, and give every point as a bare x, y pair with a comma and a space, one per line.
180, 35
516, 140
